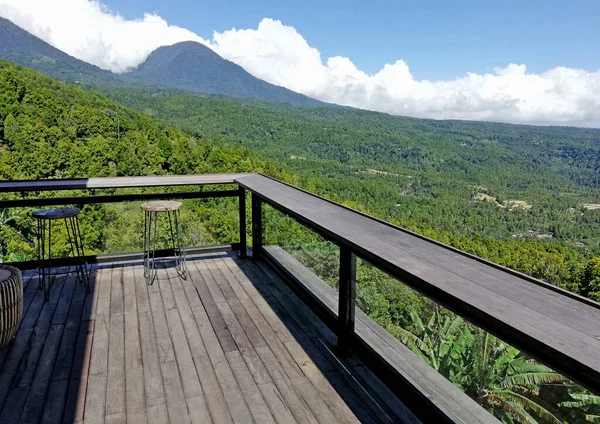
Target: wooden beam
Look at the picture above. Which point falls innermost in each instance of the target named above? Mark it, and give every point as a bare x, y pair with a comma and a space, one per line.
242, 210
256, 226
122, 257
84, 200
347, 300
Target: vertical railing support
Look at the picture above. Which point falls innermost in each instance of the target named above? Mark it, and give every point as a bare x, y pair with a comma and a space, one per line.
242, 205
256, 226
347, 300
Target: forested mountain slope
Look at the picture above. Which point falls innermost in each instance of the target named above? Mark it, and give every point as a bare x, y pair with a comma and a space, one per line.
52, 130
23, 48
464, 177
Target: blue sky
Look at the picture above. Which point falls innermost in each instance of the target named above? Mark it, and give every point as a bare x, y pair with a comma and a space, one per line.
438, 39
528, 61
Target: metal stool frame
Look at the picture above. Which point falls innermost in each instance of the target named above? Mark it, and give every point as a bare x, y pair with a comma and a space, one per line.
150, 225
44, 240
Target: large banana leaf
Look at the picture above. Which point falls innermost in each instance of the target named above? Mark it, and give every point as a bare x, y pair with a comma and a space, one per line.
527, 404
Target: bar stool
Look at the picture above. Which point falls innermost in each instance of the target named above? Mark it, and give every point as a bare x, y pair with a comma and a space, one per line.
45, 219
151, 211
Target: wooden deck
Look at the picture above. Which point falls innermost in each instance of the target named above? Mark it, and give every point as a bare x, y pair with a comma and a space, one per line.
230, 344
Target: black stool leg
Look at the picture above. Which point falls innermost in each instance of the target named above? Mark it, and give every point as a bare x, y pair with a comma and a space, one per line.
76, 243
44, 239
86, 269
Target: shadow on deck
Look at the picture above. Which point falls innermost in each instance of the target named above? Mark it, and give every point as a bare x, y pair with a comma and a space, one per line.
232, 343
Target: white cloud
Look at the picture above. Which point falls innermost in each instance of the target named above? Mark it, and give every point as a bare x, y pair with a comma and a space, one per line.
279, 54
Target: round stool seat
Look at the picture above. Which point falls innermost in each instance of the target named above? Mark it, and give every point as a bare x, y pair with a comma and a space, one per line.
55, 213
161, 206
11, 303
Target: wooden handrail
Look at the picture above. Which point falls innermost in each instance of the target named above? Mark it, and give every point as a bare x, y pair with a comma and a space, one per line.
116, 182
558, 329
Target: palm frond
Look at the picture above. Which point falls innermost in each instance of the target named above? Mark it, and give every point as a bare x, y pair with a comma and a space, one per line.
592, 418
454, 327
581, 399
417, 323
528, 404
409, 338
511, 410
531, 378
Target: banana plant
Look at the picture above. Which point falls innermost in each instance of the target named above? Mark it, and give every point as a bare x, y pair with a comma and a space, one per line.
493, 373
589, 403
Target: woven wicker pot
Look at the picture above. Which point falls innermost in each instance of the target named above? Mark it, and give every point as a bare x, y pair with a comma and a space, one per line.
11, 303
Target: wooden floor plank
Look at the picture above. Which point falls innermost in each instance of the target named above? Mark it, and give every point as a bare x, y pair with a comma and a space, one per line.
172, 382
55, 403
57, 360
187, 369
197, 332
153, 384
115, 381
95, 401
34, 351
176, 405
266, 358
133, 350
135, 399
324, 401
304, 318
216, 351
210, 306
91, 299
166, 352
135, 396
253, 396
78, 381
34, 404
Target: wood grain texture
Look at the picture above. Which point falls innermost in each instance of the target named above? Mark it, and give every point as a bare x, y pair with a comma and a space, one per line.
209, 349
415, 374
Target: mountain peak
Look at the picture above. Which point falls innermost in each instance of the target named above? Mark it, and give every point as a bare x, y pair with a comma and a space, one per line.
192, 66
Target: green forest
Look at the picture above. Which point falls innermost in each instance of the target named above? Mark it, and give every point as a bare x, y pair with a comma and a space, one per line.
524, 197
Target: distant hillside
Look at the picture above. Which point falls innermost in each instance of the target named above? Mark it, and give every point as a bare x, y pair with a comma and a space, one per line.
23, 48
418, 173
191, 66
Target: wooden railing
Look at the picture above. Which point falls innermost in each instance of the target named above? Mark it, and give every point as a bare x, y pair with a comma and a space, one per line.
30, 191
554, 326
550, 324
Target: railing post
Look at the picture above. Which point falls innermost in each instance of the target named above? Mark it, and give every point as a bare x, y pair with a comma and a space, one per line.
256, 226
242, 205
347, 300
